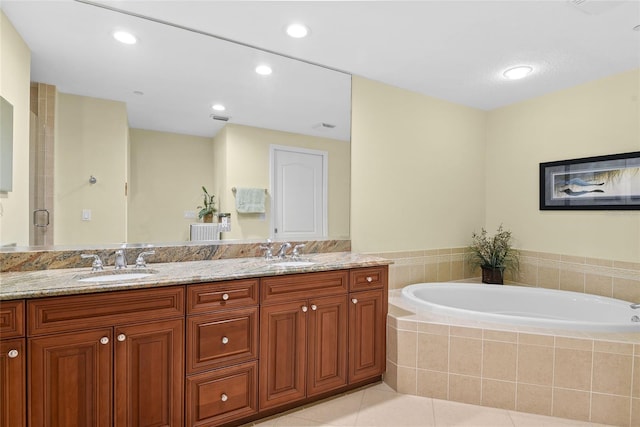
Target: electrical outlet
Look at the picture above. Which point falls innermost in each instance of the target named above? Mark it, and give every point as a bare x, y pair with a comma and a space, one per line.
190, 214
86, 214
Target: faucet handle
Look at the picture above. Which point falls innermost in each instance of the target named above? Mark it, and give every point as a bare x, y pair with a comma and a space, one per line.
140, 261
296, 250
268, 249
97, 262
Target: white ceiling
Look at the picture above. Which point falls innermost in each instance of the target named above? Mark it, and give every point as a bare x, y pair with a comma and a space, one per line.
453, 50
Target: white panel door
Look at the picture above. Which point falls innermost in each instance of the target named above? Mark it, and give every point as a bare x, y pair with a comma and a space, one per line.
299, 193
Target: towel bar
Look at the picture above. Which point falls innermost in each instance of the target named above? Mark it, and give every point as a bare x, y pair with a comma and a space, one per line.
233, 190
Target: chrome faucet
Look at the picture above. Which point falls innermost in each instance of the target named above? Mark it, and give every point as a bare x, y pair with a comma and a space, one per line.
140, 261
295, 254
97, 262
121, 260
268, 249
635, 306
282, 252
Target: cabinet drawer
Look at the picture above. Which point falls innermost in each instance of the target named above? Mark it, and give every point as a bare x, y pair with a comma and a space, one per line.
220, 396
59, 314
11, 319
214, 296
214, 340
296, 286
368, 278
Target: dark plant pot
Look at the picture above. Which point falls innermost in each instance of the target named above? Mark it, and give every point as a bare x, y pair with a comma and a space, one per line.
207, 217
492, 275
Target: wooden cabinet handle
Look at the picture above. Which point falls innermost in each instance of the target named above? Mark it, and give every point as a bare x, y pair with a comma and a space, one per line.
314, 307
225, 340
122, 337
225, 297
104, 340
304, 309
354, 300
369, 279
12, 354
224, 397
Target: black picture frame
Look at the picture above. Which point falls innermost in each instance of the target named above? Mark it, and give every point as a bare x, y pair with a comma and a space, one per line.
609, 182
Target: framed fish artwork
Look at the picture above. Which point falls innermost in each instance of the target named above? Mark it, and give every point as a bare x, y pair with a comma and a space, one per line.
609, 182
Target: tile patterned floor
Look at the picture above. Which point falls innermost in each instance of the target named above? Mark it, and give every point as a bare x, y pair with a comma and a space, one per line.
379, 405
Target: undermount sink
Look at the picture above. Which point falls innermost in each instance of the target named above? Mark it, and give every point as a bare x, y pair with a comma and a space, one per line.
293, 263
119, 276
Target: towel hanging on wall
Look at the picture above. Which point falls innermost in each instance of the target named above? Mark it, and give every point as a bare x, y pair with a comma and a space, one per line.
250, 200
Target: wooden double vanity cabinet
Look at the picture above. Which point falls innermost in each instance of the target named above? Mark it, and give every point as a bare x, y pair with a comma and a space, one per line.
202, 354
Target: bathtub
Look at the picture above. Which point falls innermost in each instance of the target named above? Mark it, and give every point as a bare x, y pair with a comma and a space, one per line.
517, 305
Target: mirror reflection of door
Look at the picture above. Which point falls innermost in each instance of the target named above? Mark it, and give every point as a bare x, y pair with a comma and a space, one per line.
299, 192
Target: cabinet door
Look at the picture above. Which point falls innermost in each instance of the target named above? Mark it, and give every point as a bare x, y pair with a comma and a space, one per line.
327, 349
70, 379
367, 335
149, 374
13, 390
283, 347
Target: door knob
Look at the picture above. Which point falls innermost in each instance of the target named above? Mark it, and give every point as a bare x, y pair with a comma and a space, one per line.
12, 354
104, 340
354, 300
122, 337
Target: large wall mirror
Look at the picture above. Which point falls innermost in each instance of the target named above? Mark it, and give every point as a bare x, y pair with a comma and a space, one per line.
134, 132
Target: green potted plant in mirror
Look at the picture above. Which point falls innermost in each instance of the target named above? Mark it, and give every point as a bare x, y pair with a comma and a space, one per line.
208, 207
493, 254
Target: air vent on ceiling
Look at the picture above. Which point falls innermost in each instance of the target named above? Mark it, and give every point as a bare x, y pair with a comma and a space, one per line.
594, 7
221, 118
324, 126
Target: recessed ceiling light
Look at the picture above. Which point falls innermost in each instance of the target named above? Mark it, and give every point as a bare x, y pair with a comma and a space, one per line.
518, 72
124, 37
218, 107
297, 31
263, 70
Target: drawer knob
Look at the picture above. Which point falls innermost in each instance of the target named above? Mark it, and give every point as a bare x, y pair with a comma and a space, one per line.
225, 340
354, 300
304, 309
224, 397
225, 297
369, 279
104, 340
314, 307
122, 337
12, 354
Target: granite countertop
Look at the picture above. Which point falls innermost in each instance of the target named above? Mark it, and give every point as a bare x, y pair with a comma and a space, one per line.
44, 283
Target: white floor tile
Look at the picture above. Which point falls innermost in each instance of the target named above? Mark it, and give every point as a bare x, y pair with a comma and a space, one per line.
522, 419
380, 406
460, 414
339, 411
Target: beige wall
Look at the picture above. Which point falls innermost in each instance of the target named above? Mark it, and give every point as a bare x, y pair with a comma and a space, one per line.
247, 163
417, 170
167, 173
91, 139
598, 118
15, 69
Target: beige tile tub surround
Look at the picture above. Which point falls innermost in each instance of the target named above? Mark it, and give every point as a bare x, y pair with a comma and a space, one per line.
585, 379
610, 278
579, 376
